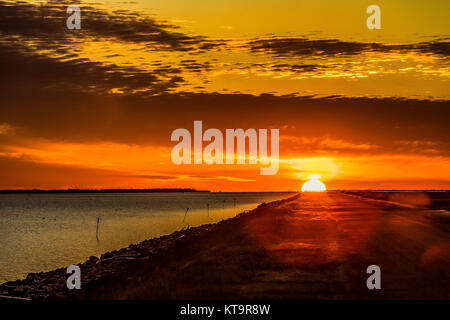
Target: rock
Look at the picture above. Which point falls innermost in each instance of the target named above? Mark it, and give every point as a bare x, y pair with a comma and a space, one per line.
19, 290
106, 255
93, 258
48, 281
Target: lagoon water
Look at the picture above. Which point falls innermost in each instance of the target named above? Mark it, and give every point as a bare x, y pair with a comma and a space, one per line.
41, 232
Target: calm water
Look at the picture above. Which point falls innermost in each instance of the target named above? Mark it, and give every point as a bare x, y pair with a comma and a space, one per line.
41, 232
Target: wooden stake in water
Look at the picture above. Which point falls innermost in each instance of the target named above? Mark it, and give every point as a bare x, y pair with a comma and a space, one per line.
187, 209
96, 233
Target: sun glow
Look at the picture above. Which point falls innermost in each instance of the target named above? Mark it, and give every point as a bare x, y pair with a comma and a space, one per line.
314, 184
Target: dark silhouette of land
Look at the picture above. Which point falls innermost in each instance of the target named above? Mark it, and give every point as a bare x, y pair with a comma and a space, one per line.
102, 190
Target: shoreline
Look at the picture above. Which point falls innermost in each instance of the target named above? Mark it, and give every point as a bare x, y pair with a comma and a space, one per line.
98, 270
64, 191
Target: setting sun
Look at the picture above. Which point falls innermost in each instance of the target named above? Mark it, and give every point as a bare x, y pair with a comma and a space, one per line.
313, 184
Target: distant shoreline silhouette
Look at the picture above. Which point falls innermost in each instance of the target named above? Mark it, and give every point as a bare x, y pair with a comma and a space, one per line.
102, 190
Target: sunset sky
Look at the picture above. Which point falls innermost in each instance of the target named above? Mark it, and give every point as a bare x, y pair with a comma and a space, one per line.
95, 108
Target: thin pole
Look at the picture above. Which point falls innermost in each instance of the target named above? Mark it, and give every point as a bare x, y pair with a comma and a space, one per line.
96, 233
187, 209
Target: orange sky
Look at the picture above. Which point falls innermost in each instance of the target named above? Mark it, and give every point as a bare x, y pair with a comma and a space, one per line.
95, 108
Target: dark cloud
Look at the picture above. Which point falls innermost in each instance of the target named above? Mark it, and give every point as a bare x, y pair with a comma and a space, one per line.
45, 24
24, 71
350, 123
194, 66
296, 67
333, 47
287, 67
